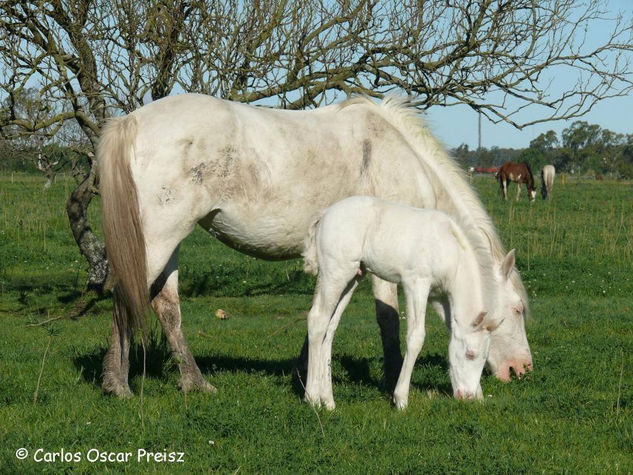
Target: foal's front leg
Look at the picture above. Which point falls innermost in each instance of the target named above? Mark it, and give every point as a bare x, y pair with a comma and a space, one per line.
416, 296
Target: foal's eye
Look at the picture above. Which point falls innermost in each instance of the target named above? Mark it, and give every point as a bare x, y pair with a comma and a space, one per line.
518, 310
470, 355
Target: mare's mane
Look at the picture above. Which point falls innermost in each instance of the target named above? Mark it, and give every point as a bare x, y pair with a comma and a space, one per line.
448, 180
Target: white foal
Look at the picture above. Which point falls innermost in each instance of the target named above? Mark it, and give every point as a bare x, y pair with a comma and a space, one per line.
421, 249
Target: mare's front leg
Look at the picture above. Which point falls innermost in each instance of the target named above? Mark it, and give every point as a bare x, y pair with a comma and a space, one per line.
518, 191
386, 300
416, 296
166, 304
116, 364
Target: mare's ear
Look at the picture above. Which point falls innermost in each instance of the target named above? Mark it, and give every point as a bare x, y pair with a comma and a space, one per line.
508, 264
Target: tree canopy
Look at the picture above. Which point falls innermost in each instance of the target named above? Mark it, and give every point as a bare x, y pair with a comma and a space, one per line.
92, 59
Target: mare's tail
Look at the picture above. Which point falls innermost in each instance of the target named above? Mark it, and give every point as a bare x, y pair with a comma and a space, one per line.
310, 259
124, 239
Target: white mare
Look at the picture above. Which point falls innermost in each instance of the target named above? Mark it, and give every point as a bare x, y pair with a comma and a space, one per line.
547, 177
253, 177
426, 252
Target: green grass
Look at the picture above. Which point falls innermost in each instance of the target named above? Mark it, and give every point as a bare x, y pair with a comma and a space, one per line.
573, 414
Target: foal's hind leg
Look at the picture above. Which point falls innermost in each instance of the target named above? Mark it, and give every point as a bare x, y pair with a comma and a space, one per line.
386, 300
326, 393
331, 296
166, 304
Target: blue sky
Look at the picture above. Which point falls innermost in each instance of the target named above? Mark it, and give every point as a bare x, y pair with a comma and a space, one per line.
458, 124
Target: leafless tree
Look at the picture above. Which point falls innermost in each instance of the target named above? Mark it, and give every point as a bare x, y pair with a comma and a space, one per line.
93, 59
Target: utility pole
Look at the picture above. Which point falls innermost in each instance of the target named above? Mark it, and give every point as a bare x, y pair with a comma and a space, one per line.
479, 127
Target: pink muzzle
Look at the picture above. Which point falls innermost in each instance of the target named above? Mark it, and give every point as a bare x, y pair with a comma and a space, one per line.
519, 367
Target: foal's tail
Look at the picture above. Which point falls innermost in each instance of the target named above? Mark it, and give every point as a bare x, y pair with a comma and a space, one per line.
124, 239
310, 259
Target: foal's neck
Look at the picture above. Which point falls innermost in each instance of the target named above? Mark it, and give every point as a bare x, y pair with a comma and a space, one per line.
465, 290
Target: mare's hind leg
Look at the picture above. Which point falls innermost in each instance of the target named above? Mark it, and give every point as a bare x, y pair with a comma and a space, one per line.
116, 364
166, 304
386, 300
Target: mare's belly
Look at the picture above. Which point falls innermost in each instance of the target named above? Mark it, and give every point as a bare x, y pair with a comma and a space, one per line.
272, 236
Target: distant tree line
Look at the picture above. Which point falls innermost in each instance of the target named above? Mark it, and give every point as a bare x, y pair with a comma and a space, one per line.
582, 148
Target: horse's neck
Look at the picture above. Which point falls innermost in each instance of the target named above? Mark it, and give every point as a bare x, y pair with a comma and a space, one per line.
465, 289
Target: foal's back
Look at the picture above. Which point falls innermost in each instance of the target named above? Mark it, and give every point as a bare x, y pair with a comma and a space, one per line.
391, 240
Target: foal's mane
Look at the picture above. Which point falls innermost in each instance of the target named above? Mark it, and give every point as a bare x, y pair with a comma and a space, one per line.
448, 180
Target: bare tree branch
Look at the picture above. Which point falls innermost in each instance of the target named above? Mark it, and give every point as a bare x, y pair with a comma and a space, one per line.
93, 59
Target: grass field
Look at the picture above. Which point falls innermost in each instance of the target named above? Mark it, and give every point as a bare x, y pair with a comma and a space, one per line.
573, 414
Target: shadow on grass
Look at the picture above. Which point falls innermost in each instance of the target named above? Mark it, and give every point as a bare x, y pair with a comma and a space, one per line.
158, 361
160, 365
432, 369
207, 284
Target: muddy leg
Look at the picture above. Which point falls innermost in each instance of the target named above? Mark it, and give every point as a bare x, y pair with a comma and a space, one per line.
116, 364
166, 304
386, 299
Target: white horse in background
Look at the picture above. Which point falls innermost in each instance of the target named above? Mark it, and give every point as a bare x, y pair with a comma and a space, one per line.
253, 177
426, 252
547, 177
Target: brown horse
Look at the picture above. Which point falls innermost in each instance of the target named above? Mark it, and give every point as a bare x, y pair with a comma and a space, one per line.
519, 173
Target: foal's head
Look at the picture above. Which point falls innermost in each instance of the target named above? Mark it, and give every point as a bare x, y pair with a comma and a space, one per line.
468, 350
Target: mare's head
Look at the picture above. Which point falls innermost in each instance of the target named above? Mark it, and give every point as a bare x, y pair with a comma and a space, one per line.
509, 349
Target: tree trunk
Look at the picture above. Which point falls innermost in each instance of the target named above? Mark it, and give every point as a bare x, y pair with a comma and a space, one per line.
50, 179
89, 245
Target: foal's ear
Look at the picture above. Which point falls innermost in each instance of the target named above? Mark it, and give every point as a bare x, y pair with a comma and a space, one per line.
479, 320
482, 322
508, 264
